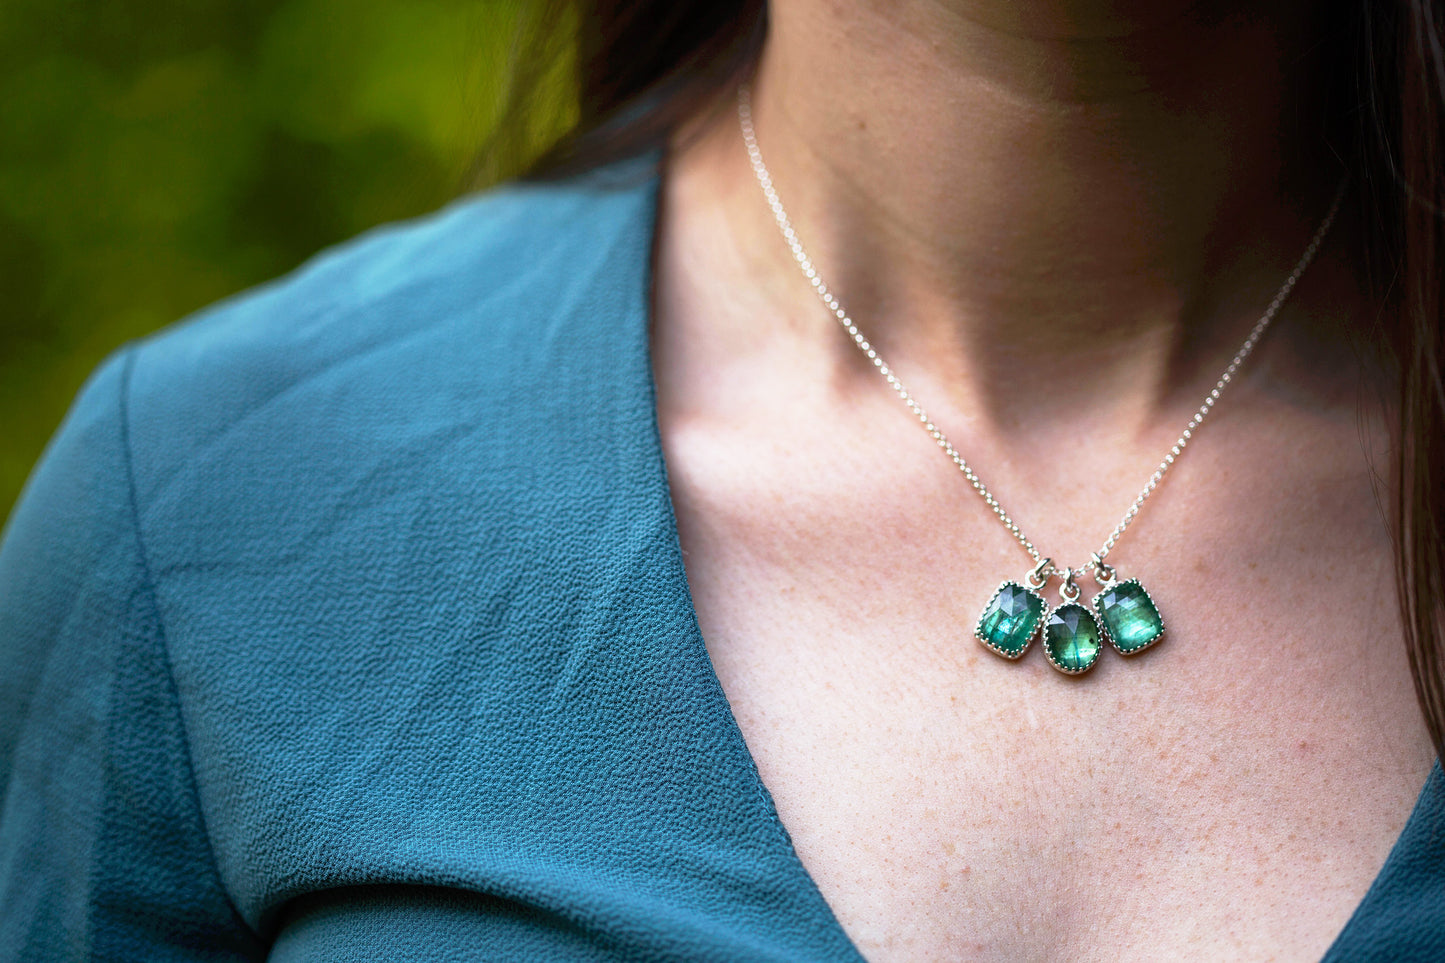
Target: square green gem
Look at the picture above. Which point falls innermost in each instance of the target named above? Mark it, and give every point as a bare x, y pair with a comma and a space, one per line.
1129, 616
1010, 620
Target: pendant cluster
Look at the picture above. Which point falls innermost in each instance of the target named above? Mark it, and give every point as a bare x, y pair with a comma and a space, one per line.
1074, 635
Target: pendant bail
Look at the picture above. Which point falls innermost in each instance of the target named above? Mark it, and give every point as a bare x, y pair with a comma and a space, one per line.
1040, 575
1070, 590
1103, 574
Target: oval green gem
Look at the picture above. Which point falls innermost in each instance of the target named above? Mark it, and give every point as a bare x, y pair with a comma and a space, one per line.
1010, 620
1071, 638
1129, 616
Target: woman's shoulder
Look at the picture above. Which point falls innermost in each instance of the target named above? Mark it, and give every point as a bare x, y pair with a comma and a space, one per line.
461, 358
339, 511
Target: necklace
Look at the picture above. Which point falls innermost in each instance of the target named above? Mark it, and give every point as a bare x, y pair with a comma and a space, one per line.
1122, 613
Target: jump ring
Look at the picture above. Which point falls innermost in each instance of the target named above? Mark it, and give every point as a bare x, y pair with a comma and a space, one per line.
1041, 573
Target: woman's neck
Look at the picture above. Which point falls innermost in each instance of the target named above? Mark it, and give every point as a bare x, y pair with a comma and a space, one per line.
1007, 189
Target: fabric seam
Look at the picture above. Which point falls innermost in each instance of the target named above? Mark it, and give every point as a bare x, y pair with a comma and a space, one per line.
149, 588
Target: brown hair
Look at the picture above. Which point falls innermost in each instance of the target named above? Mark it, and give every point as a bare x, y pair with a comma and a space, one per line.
644, 66
1404, 165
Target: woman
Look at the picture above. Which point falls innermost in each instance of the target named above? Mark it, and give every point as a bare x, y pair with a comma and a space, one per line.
365, 615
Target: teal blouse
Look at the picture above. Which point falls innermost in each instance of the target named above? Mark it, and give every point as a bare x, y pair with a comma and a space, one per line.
347, 621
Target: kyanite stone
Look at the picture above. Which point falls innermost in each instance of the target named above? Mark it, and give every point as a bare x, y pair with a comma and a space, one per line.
1071, 638
1129, 616
1010, 620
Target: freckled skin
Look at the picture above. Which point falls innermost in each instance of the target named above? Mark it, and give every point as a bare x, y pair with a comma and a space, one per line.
922, 778
1019, 206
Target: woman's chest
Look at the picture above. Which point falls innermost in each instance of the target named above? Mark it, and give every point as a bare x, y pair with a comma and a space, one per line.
976, 817
1230, 794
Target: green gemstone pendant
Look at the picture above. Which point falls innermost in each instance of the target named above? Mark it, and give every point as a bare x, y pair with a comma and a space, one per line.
1072, 638
1130, 619
1010, 620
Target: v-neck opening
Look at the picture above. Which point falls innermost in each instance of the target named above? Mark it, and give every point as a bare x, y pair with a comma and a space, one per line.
677, 569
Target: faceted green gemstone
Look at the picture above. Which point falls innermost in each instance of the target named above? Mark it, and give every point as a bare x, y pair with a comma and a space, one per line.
1071, 638
1129, 616
1010, 620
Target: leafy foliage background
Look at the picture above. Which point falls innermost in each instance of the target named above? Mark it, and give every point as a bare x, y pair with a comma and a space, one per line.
156, 156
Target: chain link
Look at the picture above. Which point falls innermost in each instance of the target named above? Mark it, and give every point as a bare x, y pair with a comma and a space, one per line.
1096, 562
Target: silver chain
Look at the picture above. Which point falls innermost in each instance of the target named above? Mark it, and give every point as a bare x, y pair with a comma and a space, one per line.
1045, 567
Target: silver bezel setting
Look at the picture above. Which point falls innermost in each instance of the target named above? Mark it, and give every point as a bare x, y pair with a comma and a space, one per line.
1038, 624
1044, 640
1104, 625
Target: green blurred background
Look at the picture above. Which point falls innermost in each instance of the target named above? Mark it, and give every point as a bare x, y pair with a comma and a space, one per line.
158, 155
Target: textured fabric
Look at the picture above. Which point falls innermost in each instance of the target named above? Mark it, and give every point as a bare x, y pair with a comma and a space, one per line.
1402, 917
348, 622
